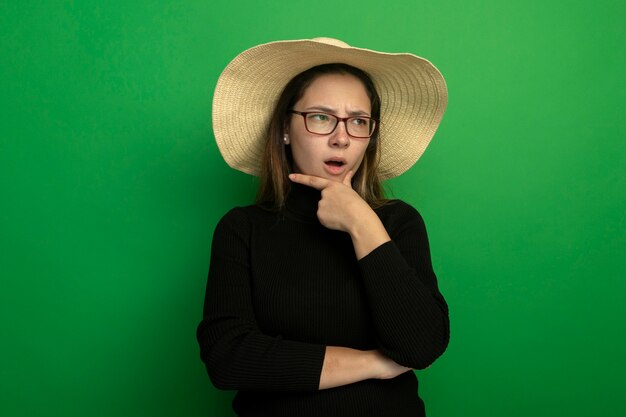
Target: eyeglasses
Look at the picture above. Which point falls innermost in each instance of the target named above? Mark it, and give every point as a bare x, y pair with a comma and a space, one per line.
320, 123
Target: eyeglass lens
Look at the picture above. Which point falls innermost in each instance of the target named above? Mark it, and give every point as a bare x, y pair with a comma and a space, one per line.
323, 124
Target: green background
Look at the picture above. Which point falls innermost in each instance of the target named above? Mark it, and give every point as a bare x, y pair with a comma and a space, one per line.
111, 185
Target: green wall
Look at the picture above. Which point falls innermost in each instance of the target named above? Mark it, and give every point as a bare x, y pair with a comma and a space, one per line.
111, 185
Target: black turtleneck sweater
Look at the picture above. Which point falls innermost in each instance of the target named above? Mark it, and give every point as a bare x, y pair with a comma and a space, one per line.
281, 287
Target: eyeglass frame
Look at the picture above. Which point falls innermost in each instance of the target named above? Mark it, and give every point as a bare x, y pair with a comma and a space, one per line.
339, 119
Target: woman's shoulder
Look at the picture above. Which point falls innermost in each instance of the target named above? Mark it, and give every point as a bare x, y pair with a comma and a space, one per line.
397, 208
246, 215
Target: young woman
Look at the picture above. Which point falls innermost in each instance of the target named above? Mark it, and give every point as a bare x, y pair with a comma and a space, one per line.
321, 297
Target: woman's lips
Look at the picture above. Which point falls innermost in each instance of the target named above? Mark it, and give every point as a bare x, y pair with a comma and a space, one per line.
335, 166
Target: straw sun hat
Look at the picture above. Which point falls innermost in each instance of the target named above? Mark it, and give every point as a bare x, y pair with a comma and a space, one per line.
412, 91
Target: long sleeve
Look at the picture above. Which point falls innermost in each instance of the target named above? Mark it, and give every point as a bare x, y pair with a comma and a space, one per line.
282, 287
410, 315
236, 353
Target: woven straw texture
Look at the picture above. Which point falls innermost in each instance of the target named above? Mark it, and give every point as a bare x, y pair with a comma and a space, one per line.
413, 99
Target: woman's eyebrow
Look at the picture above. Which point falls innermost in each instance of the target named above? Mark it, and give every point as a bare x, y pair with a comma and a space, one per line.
330, 110
321, 108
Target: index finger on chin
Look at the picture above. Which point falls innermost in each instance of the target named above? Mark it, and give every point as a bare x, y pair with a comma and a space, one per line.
309, 180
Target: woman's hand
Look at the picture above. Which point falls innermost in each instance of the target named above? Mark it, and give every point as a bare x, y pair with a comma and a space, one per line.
387, 368
342, 208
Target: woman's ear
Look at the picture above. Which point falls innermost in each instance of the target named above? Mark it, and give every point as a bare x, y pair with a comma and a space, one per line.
286, 135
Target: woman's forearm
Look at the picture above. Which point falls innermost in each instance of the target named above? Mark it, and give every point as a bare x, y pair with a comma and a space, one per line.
343, 366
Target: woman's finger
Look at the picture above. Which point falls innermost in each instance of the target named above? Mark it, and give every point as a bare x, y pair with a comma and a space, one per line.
347, 180
310, 180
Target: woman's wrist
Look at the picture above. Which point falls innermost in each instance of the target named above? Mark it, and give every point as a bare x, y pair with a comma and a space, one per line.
384, 367
343, 366
375, 364
368, 233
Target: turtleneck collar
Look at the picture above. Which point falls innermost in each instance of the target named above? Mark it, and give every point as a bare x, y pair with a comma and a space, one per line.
302, 201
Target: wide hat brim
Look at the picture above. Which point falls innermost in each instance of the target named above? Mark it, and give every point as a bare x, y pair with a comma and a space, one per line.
413, 97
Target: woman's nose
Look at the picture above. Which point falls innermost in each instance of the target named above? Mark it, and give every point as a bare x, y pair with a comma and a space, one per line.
340, 138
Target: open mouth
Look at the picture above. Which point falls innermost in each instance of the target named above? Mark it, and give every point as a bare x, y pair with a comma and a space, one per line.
335, 163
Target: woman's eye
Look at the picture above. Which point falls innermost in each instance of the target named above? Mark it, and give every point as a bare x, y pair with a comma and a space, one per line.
359, 121
319, 117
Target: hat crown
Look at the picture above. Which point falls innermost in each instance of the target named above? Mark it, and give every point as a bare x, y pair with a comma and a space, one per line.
331, 41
